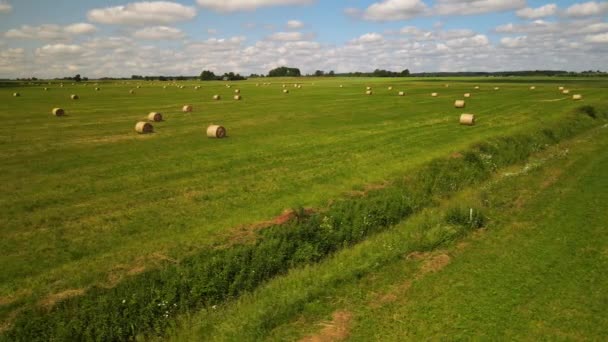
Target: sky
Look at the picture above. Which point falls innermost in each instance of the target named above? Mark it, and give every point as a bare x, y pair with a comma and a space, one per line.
118, 38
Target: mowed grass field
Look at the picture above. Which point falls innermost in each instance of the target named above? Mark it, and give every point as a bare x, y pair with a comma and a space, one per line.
85, 200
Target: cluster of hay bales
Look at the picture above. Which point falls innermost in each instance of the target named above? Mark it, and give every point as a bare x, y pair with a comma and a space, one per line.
467, 119
459, 104
58, 112
144, 127
216, 131
155, 117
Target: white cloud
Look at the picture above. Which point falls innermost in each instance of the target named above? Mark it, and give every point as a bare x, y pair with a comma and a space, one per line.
540, 12
247, 5
369, 38
513, 42
465, 7
587, 9
388, 10
287, 36
50, 32
146, 12
295, 24
5, 7
159, 33
60, 50
597, 38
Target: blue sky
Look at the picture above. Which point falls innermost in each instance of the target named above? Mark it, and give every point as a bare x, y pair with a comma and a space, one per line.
122, 37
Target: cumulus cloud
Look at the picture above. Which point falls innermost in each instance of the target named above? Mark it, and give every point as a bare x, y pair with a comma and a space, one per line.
159, 33
513, 42
247, 5
597, 38
289, 36
540, 12
587, 9
5, 7
295, 24
60, 50
145, 12
465, 7
50, 32
369, 38
388, 10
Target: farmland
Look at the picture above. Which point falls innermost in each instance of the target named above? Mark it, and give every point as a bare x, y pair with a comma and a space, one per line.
88, 202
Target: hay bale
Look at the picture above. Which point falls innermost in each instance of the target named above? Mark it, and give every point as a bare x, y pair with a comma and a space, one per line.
369, 92
434, 94
238, 97
577, 97
257, 84
216, 131
16, 94
532, 88
368, 88
459, 104
299, 86
467, 95
138, 87
217, 97
46, 89
74, 97
560, 88
341, 86
496, 88
97, 89
58, 112
164, 87
477, 87
144, 128
187, 108
61, 85
447, 85
565, 91
237, 91
390, 88
155, 116
284, 86
131, 91
401, 93
467, 119
285, 91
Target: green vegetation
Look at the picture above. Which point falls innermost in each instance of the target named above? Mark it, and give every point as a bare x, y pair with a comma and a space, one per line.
533, 272
90, 205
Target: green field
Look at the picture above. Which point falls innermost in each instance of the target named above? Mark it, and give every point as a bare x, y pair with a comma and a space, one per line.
88, 202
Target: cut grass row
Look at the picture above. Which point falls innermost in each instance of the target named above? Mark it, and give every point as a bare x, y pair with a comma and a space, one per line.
143, 304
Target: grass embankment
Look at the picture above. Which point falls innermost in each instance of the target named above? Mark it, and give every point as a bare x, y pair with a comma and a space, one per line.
86, 201
536, 270
145, 304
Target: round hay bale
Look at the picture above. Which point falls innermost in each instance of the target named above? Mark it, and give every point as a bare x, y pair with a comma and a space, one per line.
532, 88
74, 97
257, 84
565, 91
341, 86
216, 131
237, 91
496, 88
447, 85
477, 87
368, 88
138, 87
560, 88
390, 88
299, 86
58, 112
284, 86
467, 119
131, 91
228, 86
459, 104
467, 95
217, 97
401, 93
97, 89
369, 92
434, 94
238, 97
285, 91
164, 87
61, 85
187, 108
144, 127
577, 97
16, 94
46, 89
155, 116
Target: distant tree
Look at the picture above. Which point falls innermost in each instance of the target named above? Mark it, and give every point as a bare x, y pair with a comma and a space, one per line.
207, 75
319, 73
85, 79
331, 73
77, 78
405, 72
284, 72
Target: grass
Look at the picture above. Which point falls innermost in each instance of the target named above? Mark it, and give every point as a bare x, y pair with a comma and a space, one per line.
89, 202
534, 271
